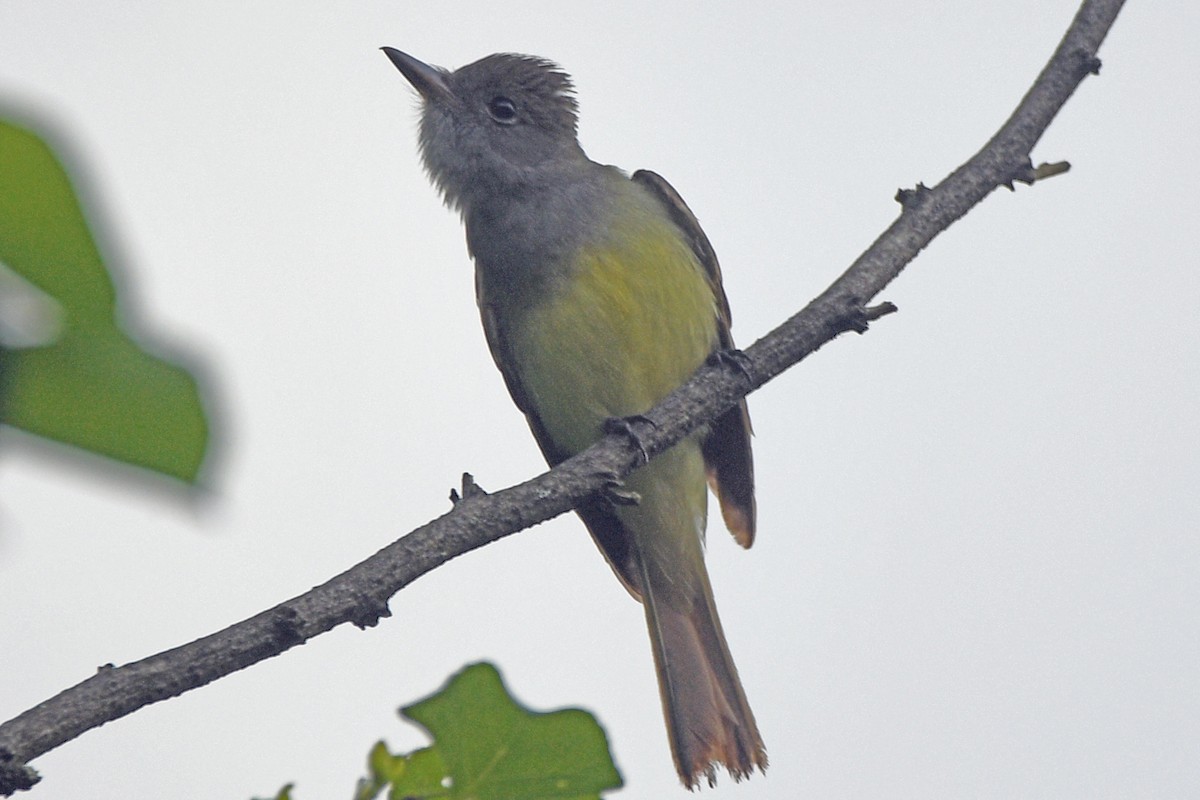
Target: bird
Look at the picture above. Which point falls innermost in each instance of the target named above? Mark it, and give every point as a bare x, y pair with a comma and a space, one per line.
599, 294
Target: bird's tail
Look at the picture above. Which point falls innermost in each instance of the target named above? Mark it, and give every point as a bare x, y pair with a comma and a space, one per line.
708, 719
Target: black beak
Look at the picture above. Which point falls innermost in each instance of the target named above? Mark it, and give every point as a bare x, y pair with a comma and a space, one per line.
428, 80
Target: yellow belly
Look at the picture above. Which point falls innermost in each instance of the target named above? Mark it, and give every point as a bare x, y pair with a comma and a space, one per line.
634, 322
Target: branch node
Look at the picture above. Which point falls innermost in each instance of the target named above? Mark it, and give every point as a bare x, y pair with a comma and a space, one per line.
1089, 61
285, 626
469, 489
854, 316
1049, 170
1028, 174
872, 313
1022, 173
369, 611
912, 198
15, 776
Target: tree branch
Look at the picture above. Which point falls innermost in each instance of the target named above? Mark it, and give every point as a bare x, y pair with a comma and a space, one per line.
360, 595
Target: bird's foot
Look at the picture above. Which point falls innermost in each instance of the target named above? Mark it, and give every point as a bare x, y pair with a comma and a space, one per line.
733, 358
614, 492
625, 427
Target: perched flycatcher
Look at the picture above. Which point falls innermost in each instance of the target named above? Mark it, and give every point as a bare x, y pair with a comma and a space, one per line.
600, 294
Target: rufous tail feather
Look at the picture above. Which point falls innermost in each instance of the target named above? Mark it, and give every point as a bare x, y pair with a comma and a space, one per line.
709, 721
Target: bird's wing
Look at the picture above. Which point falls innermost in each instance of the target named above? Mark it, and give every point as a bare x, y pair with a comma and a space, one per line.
505, 362
727, 453
597, 513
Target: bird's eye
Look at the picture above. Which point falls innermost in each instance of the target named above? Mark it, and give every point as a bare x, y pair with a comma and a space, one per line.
502, 110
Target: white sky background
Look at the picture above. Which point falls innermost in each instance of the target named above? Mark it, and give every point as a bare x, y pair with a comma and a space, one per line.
977, 571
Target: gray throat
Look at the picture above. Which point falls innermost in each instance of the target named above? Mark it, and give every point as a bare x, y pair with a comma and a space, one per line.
528, 235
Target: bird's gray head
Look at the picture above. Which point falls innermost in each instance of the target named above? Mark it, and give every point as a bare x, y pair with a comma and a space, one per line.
495, 127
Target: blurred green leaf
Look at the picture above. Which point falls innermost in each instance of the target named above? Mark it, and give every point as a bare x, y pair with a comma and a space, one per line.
284, 794
68, 372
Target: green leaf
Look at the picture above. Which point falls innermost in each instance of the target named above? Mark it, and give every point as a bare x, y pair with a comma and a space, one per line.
284, 794
68, 371
495, 749
418, 774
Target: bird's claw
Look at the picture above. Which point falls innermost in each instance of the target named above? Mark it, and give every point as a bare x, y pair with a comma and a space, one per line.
614, 492
625, 427
733, 358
